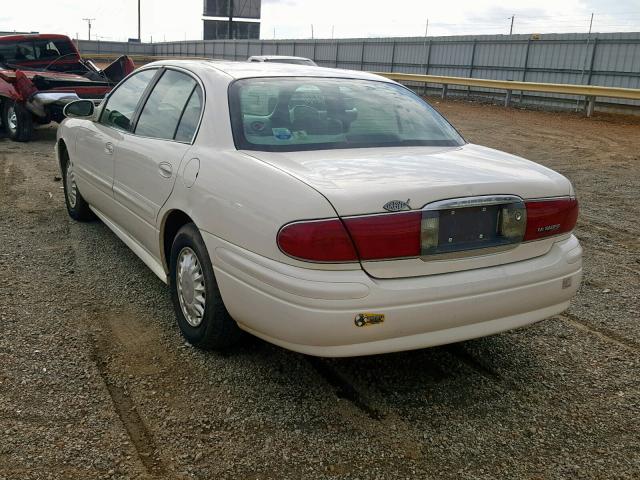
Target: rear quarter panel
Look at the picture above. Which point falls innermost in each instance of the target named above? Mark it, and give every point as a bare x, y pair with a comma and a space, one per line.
245, 202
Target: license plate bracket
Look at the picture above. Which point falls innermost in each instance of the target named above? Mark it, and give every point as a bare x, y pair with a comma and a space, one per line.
472, 226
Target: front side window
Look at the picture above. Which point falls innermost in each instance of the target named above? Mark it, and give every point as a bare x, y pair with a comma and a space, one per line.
122, 103
307, 113
166, 105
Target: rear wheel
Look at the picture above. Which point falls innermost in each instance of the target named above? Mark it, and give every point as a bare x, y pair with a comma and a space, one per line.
17, 121
77, 206
202, 317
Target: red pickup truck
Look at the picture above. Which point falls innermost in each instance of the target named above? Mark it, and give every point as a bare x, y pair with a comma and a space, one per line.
40, 74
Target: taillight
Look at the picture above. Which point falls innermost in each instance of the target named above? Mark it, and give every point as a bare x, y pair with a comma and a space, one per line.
428, 232
317, 241
375, 237
546, 218
394, 235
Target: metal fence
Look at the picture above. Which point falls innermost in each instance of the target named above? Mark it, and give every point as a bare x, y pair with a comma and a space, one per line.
607, 59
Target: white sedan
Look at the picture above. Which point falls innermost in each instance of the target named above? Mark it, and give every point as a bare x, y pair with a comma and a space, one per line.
330, 212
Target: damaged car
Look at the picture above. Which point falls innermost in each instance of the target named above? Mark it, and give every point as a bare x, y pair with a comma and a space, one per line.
40, 74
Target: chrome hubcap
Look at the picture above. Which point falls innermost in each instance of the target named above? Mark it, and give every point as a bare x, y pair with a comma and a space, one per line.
12, 119
190, 286
71, 186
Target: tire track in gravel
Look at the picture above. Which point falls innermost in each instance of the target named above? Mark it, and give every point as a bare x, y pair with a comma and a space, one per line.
126, 408
378, 421
103, 344
10, 176
607, 336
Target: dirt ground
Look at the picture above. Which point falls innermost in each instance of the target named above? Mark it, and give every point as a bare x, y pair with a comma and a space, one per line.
96, 382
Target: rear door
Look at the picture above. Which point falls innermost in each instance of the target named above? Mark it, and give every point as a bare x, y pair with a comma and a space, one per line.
148, 160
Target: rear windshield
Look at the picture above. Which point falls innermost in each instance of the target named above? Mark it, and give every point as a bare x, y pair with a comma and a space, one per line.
34, 49
307, 113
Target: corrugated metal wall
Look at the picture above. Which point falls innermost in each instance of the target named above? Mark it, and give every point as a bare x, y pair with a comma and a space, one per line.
609, 59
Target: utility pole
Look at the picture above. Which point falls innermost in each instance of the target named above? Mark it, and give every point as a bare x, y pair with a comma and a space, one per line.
332, 29
584, 62
139, 35
511, 29
426, 29
312, 31
89, 20
230, 32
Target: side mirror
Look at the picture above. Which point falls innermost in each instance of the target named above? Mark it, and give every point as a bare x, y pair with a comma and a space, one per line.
79, 109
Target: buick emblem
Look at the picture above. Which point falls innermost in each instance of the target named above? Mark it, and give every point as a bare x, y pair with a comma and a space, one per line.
397, 205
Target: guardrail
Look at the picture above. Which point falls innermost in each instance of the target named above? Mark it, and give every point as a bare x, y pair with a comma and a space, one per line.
590, 92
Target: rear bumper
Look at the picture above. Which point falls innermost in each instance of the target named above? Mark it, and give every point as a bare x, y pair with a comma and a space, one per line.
313, 311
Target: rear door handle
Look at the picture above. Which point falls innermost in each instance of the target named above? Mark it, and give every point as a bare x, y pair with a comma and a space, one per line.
165, 169
108, 148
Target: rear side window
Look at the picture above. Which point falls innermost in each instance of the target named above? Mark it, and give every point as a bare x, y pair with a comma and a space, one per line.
166, 105
25, 51
190, 118
37, 49
122, 103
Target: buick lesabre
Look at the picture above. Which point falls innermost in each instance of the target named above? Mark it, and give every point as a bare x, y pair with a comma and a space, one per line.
330, 212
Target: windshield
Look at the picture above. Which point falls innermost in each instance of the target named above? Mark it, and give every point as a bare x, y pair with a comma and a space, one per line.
308, 113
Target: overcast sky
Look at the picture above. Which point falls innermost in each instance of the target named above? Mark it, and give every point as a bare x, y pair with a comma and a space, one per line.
180, 19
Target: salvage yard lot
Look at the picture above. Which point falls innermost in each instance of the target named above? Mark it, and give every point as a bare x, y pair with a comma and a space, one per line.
96, 382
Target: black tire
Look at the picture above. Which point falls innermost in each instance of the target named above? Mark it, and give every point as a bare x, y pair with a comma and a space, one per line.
216, 330
79, 209
17, 121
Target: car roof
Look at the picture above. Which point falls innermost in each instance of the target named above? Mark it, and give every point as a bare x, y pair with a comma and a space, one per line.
244, 69
33, 36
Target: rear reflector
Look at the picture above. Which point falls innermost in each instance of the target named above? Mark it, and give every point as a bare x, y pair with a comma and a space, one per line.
546, 218
317, 241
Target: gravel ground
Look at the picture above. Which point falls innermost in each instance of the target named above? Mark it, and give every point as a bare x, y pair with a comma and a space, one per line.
95, 381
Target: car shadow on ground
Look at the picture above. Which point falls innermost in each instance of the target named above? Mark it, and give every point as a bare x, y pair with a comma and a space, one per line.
456, 374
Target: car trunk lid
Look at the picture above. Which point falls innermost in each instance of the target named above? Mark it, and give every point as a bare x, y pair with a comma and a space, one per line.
361, 182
